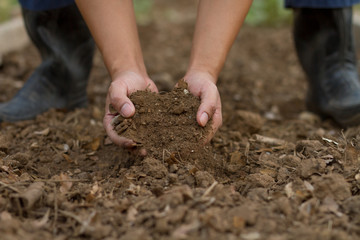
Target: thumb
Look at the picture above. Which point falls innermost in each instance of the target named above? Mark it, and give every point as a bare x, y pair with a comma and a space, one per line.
127, 109
207, 106
120, 101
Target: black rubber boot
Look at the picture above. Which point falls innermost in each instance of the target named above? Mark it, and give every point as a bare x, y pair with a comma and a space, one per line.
67, 49
325, 47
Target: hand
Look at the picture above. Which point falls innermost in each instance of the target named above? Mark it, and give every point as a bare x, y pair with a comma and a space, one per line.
120, 89
202, 84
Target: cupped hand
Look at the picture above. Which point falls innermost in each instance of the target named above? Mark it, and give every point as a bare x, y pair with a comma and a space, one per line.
119, 91
203, 85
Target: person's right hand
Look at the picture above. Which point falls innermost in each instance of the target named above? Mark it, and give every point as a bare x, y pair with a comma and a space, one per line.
119, 91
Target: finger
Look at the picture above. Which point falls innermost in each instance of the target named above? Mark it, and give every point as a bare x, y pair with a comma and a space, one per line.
152, 87
208, 105
115, 138
216, 124
118, 97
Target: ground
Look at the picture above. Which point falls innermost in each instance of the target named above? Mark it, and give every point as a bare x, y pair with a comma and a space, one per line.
273, 170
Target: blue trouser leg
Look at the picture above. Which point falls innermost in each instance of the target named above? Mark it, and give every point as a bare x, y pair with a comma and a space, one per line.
41, 5
320, 3
66, 47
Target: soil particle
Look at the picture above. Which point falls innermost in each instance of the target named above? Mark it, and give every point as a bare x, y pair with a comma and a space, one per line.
331, 185
250, 122
4, 144
22, 158
136, 234
154, 168
203, 179
311, 166
260, 180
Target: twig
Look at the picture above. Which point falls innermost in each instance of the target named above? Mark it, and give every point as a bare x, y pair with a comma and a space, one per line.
9, 187
85, 225
208, 191
163, 159
69, 214
269, 140
55, 209
30, 196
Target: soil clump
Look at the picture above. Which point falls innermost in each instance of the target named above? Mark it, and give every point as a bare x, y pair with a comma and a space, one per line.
165, 124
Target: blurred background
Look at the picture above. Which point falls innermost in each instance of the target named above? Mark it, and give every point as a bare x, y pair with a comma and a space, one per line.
263, 12
8, 9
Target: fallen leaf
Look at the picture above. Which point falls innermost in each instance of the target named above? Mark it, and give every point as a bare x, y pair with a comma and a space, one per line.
95, 188
182, 231
250, 236
239, 222
309, 186
94, 144
67, 158
44, 132
5, 216
65, 185
131, 214
289, 191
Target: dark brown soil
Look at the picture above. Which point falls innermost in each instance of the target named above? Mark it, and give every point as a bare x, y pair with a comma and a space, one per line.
274, 170
165, 124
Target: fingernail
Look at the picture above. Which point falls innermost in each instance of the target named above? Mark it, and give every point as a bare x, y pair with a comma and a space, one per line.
204, 119
126, 110
130, 145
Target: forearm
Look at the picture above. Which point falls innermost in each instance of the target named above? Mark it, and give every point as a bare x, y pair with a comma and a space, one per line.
113, 26
218, 23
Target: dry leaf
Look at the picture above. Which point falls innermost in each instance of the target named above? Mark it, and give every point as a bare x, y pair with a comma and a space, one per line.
309, 186
95, 188
133, 189
131, 214
5, 216
34, 145
239, 222
182, 231
94, 144
89, 198
67, 158
289, 191
250, 236
65, 185
44, 132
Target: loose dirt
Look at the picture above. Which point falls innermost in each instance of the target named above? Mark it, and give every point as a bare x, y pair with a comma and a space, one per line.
273, 170
165, 123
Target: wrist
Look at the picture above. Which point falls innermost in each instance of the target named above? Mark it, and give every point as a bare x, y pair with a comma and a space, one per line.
122, 69
135, 72
201, 73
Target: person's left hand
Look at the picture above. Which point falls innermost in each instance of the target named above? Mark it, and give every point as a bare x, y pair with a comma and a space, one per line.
202, 84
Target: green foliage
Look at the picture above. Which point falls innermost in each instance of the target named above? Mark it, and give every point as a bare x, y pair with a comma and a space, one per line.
268, 13
6, 7
143, 10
